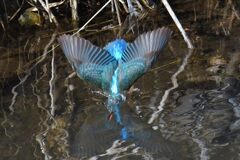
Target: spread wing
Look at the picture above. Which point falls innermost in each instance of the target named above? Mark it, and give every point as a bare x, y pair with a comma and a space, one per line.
91, 63
140, 55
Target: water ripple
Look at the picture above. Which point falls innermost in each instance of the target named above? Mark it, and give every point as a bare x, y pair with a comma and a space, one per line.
175, 85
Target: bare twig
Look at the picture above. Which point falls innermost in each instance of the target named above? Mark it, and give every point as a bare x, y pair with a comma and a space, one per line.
235, 12
117, 10
225, 30
175, 19
112, 5
146, 4
50, 5
124, 5
139, 5
166, 65
47, 9
74, 9
2, 24
16, 11
5, 8
93, 17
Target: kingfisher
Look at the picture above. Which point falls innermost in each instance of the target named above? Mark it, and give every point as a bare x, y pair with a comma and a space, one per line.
115, 67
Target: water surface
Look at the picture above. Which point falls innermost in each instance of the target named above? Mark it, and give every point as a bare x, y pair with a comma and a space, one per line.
199, 118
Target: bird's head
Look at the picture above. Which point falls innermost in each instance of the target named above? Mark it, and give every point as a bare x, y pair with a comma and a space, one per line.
113, 105
116, 48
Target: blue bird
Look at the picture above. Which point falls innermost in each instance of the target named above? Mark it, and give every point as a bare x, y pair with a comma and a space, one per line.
119, 64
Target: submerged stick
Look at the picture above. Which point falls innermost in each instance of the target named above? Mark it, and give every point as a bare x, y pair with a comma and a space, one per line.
175, 19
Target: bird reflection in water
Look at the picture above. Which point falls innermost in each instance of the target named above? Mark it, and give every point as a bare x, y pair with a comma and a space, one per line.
114, 69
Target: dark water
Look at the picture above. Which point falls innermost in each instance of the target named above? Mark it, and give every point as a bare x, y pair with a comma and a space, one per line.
194, 115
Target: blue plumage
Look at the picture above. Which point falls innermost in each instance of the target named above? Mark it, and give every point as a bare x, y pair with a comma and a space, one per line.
116, 48
119, 64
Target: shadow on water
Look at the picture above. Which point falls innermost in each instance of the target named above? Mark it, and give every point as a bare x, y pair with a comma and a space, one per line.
200, 118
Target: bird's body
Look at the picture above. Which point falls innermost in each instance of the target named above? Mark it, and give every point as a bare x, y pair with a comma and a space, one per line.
119, 64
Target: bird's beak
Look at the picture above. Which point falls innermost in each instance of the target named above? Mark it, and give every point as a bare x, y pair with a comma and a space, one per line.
109, 118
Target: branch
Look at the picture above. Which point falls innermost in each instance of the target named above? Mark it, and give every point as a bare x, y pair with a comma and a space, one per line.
175, 19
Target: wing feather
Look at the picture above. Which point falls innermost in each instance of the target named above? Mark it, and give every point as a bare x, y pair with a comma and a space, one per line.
147, 44
89, 61
140, 55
